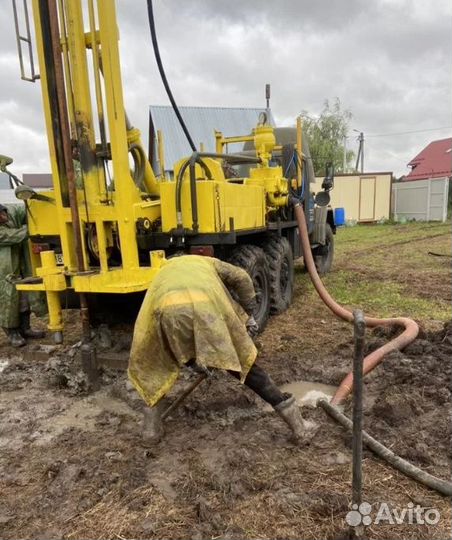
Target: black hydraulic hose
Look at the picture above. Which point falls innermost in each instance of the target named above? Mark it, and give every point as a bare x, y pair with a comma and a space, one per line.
139, 160
406, 468
193, 192
180, 175
439, 254
179, 178
235, 158
196, 158
163, 76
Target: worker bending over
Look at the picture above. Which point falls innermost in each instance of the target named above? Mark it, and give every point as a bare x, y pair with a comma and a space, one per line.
14, 265
190, 316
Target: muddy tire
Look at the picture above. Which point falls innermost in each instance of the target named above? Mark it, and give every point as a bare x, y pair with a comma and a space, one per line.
253, 260
323, 255
280, 262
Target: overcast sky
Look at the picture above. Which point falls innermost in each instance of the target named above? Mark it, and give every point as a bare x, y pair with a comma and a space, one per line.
388, 61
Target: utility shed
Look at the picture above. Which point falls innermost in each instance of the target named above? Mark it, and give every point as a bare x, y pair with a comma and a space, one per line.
364, 197
202, 122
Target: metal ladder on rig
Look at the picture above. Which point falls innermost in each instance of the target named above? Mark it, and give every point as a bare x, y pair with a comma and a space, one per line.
32, 76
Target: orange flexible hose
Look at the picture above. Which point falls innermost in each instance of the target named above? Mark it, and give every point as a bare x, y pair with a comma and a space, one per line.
408, 335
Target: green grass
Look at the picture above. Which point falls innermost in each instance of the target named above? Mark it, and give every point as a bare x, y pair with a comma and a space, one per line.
386, 271
415, 256
383, 298
365, 236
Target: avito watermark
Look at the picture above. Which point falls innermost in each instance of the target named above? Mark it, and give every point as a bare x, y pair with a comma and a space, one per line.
412, 514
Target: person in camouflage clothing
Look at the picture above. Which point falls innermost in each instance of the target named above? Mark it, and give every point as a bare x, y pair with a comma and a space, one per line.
190, 317
14, 265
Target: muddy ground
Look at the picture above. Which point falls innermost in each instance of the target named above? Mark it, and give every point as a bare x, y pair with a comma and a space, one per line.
72, 464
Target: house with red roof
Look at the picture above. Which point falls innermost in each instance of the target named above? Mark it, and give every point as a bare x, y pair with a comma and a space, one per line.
424, 193
434, 161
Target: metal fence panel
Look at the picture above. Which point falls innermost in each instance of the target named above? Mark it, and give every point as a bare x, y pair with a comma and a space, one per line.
422, 200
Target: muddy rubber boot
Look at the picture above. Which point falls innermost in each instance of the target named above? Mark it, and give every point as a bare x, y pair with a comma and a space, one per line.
152, 425
15, 338
26, 330
290, 412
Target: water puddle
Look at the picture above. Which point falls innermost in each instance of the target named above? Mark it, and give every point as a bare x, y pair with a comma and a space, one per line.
307, 393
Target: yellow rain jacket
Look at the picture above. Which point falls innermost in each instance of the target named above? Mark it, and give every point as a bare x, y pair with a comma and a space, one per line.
188, 314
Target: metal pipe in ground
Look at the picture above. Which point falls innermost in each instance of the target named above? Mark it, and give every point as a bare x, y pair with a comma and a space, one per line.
359, 338
359, 326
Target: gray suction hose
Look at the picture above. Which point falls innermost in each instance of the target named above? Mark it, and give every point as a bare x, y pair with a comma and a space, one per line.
406, 468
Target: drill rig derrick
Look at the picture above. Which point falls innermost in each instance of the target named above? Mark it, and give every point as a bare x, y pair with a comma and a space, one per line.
96, 235
85, 219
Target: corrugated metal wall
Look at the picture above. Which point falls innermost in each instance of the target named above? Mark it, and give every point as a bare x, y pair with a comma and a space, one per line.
422, 200
201, 123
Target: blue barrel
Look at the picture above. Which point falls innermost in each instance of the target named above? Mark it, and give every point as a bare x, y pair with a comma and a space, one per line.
339, 216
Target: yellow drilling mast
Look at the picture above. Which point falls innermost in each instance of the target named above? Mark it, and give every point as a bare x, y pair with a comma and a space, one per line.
108, 223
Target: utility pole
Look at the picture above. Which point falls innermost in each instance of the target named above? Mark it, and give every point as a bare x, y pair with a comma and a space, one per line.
344, 166
360, 155
361, 135
267, 95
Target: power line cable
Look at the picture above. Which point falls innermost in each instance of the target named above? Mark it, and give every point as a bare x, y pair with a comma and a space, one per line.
408, 132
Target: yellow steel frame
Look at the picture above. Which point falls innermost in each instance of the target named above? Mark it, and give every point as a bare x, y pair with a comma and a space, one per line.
118, 209
121, 207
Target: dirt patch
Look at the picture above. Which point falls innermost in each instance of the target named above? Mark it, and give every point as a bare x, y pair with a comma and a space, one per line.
73, 465
409, 401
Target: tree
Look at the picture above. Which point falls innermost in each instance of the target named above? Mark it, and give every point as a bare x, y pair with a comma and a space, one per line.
326, 137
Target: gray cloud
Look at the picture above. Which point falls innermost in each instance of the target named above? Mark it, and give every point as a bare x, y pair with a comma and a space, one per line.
387, 60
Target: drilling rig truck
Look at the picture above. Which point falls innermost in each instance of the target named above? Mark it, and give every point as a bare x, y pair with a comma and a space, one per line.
104, 229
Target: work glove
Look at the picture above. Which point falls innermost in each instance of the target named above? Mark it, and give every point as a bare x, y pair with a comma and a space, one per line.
252, 327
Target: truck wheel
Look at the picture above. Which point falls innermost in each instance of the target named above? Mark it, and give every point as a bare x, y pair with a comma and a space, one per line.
323, 255
280, 262
252, 259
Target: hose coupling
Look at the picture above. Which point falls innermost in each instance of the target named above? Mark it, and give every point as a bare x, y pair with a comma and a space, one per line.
294, 201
